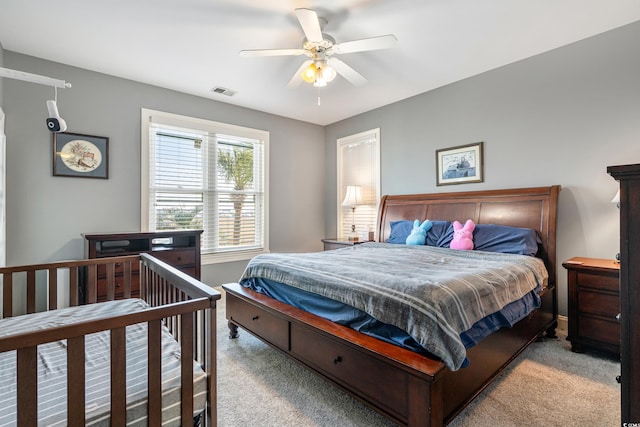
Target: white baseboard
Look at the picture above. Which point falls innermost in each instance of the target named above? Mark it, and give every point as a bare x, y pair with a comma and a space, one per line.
563, 322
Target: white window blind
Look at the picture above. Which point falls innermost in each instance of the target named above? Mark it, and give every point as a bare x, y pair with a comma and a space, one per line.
206, 175
358, 164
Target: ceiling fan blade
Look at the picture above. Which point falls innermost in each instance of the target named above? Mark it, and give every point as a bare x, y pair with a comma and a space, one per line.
296, 79
373, 43
347, 72
310, 24
271, 52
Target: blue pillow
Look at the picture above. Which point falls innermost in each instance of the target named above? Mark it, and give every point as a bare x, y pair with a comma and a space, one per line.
400, 230
505, 239
440, 233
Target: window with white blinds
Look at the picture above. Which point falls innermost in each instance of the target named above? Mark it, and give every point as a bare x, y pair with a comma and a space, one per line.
358, 168
199, 174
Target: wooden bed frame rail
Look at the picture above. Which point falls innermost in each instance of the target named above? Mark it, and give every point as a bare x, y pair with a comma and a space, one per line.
183, 303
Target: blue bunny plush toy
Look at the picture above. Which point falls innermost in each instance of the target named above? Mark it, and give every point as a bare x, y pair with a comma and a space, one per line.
418, 235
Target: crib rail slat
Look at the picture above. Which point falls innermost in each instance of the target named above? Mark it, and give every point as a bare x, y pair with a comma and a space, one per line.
75, 381
31, 291
154, 369
7, 295
111, 285
53, 288
74, 298
126, 277
28, 386
118, 377
186, 374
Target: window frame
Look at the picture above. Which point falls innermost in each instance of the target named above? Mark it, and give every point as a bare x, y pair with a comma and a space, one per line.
148, 117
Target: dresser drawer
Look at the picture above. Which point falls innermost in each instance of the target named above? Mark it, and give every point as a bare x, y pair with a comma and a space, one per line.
598, 281
176, 257
599, 329
119, 268
119, 287
345, 365
598, 303
259, 321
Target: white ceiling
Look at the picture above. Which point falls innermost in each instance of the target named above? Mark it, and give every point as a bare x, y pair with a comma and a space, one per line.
192, 45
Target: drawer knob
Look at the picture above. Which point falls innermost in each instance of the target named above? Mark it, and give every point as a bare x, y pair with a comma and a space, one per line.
618, 316
618, 379
255, 317
117, 285
337, 360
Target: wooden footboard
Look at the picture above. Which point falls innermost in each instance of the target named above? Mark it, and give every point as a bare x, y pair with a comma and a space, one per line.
182, 303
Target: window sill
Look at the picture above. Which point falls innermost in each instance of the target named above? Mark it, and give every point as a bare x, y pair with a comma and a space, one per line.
220, 257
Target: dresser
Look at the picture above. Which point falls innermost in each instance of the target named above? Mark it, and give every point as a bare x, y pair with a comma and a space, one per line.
629, 179
180, 249
594, 304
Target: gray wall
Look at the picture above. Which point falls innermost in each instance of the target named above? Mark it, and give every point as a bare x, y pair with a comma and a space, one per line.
557, 118
1, 65
46, 215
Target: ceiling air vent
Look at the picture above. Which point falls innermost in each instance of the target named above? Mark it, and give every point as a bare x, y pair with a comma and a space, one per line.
223, 91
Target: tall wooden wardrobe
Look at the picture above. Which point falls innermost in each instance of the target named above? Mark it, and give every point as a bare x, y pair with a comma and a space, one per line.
629, 178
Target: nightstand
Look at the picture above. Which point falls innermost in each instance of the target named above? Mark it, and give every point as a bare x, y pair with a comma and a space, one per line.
330, 244
594, 304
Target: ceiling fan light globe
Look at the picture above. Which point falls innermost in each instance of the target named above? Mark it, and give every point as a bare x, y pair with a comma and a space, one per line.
309, 74
328, 73
320, 83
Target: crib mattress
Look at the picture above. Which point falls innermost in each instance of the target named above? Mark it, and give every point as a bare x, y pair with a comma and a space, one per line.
52, 369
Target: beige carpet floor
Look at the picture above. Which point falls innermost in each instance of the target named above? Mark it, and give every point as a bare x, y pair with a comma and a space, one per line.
547, 385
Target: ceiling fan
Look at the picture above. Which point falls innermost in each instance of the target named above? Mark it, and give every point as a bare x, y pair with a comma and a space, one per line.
322, 66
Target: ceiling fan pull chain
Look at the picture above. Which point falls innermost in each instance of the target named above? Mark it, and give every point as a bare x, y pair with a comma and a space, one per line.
318, 97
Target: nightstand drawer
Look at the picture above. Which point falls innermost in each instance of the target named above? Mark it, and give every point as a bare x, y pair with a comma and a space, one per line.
598, 303
599, 329
597, 281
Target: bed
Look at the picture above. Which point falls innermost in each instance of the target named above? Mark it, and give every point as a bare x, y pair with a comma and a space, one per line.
132, 361
408, 387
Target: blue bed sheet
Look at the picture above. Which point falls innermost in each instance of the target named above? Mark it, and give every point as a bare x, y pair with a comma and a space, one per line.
346, 315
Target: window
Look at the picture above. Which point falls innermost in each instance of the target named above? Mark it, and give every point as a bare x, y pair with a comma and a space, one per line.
200, 174
358, 166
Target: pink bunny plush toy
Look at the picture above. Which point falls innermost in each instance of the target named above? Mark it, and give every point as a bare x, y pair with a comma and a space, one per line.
463, 236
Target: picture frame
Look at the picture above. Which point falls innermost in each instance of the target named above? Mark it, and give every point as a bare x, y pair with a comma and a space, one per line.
80, 156
460, 165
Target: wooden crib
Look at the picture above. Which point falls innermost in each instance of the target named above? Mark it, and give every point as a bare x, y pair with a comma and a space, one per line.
177, 306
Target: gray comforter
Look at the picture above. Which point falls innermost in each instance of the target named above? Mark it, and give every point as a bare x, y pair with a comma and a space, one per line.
432, 293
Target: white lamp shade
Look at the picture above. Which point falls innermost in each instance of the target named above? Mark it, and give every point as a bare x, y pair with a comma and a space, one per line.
353, 197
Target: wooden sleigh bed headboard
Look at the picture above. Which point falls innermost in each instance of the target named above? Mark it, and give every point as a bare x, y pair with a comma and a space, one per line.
534, 208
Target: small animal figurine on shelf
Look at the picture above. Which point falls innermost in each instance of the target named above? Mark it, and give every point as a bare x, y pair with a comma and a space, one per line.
418, 235
463, 235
